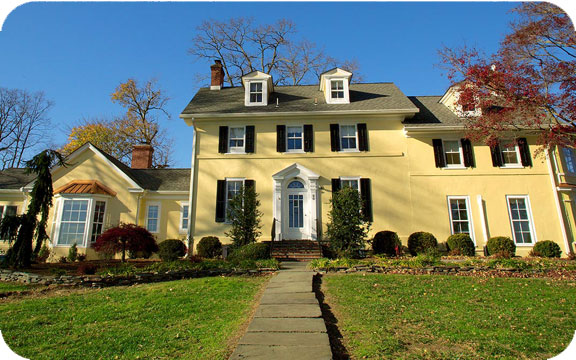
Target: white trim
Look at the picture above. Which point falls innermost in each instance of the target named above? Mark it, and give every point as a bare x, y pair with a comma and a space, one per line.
148, 205
349, 178
557, 200
182, 205
460, 152
466, 199
301, 150
356, 149
530, 219
517, 165
482, 218
236, 149
59, 207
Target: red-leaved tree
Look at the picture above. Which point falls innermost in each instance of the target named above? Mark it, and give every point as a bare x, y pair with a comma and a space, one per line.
529, 83
125, 237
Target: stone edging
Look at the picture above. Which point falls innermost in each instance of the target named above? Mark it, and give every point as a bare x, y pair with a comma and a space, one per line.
425, 270
114, 280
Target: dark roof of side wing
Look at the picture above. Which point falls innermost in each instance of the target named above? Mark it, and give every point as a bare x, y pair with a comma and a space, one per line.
432, 112
14, 179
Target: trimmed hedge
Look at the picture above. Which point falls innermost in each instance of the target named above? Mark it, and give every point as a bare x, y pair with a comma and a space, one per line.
209, 247
546, 248
420, 242
461, 243
254, 251
171, 249
501, 244
386, 242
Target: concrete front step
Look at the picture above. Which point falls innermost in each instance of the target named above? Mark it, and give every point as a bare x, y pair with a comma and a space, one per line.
266, 352
291, 311
286, 339
299, 325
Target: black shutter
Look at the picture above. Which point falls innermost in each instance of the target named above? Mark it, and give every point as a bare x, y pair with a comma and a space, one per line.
335, 137
335, 185
468, 152
250, 184
366, 194
221, 201
281, 138
308, 138
249, 148
439, 153
223, 140
524, 152
496, 155
362, 137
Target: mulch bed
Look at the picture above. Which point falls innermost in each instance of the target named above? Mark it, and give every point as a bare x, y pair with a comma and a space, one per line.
72, 268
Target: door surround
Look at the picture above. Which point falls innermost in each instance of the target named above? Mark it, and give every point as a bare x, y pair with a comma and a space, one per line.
310, 181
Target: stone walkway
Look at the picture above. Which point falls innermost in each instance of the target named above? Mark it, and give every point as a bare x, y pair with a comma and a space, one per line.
288, 322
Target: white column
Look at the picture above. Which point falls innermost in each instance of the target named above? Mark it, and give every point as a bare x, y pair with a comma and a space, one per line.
314, 209
482, 218
277, 208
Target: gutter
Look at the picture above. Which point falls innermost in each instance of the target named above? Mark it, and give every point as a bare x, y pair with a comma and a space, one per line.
557, 199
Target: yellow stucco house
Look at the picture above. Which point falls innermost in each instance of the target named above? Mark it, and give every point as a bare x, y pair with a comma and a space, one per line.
406, 155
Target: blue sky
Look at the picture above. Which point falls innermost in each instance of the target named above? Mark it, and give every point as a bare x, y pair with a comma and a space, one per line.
77, 53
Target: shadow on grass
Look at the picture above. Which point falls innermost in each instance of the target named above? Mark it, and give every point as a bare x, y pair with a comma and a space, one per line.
339, 351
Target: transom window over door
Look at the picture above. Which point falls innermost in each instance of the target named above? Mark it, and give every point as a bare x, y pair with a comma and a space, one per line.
73, 222
348, 137
337, 89
460, 219
294, 138
520, 219
255, 92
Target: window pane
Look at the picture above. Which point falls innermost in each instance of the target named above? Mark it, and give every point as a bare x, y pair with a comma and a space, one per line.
152, 223
10, 210
460, 218
73, 222
570, 159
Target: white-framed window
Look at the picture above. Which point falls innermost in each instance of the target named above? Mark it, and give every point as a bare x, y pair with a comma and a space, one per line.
460, 216
294, 139
79, 220
256, 93
337, 89
153, 218
184, 216
351, 182
8, 210
348, 138
570, 160
233, 188
453, 153
521, 221
236, 139
510, 153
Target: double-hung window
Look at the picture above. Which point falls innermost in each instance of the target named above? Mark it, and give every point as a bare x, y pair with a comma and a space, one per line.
460, 217
350, 182
80, 221
337, 89
510, 153
233, 188
570, 160
453, 153
153, 218
184, 217
255, 92
348, 140
236, 140
521, 219
294, 138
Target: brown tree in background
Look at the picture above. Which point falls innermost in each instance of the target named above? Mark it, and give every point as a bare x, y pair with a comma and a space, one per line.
244, 46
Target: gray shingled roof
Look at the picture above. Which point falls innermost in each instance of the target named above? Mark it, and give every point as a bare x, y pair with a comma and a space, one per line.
363, 97
163, 179
14, 179
432, 112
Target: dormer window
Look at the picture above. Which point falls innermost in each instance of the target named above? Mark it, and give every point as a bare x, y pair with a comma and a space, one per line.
337, 89
256, 92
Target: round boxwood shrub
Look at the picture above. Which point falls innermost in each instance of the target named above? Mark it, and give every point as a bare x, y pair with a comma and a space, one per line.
386, 242
171, 249
209, 247
461, 243
501, 244
546, 248
420, 242
254, 251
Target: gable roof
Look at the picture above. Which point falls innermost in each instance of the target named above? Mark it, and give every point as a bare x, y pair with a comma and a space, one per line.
302, 98
85, 187
432, 113
14, 178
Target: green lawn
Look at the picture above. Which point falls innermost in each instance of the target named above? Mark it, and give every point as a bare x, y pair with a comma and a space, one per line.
186, 319
9, 286
449, 317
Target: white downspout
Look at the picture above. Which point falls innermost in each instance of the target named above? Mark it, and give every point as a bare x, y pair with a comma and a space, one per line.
557, 199
192, 193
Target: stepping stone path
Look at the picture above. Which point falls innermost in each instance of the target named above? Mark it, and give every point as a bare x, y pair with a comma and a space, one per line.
288, 322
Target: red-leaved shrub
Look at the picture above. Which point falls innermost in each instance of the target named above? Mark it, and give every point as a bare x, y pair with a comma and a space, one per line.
123, 238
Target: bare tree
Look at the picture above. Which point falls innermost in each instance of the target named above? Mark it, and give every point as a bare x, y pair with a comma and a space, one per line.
23, 124
244, 46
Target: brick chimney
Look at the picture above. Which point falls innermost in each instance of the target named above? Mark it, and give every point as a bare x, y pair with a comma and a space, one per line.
217, 75
142, 156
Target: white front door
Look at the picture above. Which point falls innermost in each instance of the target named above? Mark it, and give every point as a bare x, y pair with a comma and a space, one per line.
295, 215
